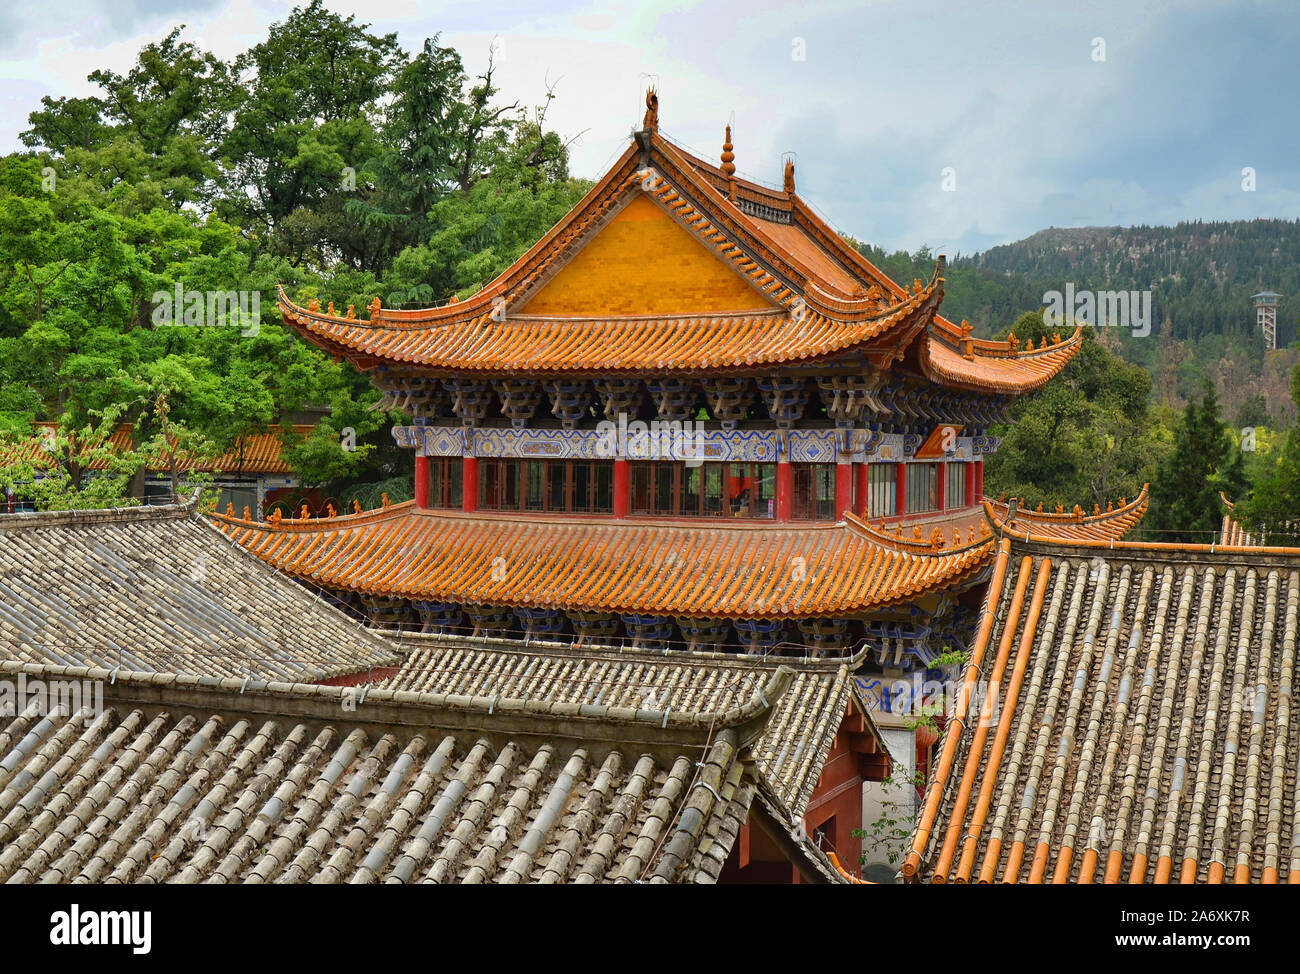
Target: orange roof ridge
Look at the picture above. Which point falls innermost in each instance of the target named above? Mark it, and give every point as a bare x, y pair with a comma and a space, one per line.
923, 545
953, 731
996, 513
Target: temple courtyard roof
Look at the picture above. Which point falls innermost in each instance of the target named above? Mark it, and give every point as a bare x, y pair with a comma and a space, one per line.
198, 779
1125, 717
160, 589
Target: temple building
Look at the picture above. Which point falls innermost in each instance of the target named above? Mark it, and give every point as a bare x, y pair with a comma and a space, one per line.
690, 415
691, 420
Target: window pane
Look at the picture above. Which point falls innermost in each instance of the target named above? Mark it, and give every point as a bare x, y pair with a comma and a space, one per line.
534, 474
882, 489
713, 478
603, 491
955, 490
555, 471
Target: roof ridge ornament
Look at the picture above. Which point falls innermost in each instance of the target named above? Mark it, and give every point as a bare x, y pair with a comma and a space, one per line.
729, 165
787, 183
651, 121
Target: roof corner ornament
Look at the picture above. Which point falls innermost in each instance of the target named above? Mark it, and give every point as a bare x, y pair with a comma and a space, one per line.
968, 344
729, 165
788, 182
374, 307
651, 121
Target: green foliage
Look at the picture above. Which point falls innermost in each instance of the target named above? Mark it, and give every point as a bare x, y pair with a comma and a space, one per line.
324, 159
1087, 437
1185, 503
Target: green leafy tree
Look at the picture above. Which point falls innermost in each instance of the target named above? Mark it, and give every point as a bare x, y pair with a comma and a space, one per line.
1088, 437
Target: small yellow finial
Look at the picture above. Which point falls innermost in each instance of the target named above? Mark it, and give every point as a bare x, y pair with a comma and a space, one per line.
304, 515
230, 509
374, 307
329, 510
313, 305
936, 538
248, 515
331, 308
356, 506
352, 312
384, 498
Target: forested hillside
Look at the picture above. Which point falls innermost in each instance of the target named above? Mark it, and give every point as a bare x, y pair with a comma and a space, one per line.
1201, 276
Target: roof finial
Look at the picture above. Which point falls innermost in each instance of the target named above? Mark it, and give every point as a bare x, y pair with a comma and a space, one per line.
789, 177
651, 120
728, 164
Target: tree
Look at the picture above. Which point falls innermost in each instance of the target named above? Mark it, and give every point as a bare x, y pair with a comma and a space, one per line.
1185, 504
1087, 437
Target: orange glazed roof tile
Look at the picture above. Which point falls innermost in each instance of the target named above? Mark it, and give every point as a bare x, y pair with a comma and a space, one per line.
728, 569
996, 367
1101, 525
260, 452
826, 299
1125, 716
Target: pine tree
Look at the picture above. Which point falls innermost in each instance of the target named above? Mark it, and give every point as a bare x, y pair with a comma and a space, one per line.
1185, 504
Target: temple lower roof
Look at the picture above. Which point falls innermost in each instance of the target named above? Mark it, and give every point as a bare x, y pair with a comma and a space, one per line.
702, 568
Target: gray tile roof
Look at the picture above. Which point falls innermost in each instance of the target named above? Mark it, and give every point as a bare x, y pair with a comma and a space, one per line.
1138, 724
189, 779
161, 589
790, 753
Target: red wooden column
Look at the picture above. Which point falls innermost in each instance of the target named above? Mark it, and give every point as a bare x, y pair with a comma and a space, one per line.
469, 484
864, 489
622, 488
784, 489
843, 489
970, 485
941, 493
979, 481
421, 481
900, 490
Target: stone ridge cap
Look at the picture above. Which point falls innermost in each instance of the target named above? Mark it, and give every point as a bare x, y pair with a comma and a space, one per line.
100, 515
326, 702
596, 651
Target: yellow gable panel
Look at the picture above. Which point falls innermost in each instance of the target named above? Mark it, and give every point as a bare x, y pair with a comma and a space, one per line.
644, 263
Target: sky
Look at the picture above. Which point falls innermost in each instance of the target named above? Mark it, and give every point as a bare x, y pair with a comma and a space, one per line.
957, 126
